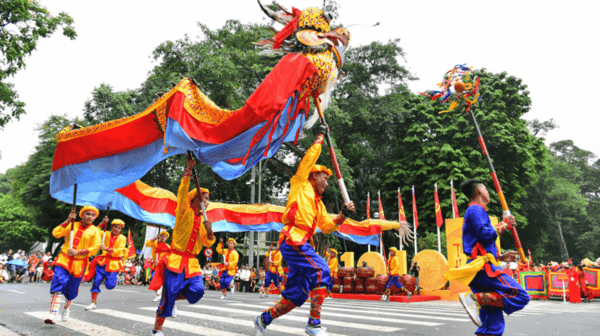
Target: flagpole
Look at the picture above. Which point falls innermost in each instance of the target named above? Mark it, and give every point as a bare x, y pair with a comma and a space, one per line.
438, 230
369, 213
414, 218
399, 219
452, 198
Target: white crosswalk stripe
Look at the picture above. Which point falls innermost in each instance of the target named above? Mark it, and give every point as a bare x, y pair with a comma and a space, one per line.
194, 329
237, 321
326, 310
325, 321
80, 326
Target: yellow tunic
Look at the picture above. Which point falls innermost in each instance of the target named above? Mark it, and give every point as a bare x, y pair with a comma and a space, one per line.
114, 257
305, 211
88, 239
155, 256
189, 235
394, 265
275, 261
333, 266
232, 257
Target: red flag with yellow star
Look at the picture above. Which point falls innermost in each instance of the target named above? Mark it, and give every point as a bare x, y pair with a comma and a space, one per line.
401, 207
381, 214
438, 209
131, 248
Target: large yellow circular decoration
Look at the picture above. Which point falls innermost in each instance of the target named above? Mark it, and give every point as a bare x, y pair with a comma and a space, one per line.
374, 260
433, 266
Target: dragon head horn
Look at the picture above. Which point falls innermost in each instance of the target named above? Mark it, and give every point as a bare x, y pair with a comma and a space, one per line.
327, 12
283, 18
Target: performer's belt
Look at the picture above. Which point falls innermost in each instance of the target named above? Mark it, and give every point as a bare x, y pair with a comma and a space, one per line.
480, 260
72, 259
111, 258
183, 254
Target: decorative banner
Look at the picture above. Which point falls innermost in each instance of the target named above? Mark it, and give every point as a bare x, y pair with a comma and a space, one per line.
438, 210
131, 248
381, 214
401, 207
555, 283
151, 232
535, 284
416, 219
368, 206
592, 278
156, 205
454, 203
114, 154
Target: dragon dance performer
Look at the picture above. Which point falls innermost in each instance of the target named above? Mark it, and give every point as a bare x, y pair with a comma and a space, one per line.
230, 266
159, 249
105, 267
304, 212
333, 264
394, 274
178, 272
272, 273
69, 267
493, 290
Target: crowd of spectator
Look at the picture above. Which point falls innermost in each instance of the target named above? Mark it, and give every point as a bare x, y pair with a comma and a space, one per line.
246, 279
19, 266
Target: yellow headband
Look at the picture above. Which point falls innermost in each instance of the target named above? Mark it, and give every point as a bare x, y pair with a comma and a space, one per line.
233, 240
165, 233
118, 222
88, 208
394, 249
319, 168
333, 250
194, 192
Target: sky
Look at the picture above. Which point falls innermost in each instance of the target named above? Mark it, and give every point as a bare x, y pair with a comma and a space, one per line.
551, 45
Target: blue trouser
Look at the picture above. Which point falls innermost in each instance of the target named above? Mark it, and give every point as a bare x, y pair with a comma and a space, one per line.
65, 283
307, 271
175, 284
393, 280
110, 279
272, 277
513, 295
225, 280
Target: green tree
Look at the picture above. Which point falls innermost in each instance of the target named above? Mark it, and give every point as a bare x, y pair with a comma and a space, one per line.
22, 24
18, 231
435, 148
32, 180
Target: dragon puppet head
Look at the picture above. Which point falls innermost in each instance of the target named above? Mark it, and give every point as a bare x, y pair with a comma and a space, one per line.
306, 31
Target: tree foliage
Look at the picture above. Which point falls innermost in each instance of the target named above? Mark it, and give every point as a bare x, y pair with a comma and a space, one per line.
22, 24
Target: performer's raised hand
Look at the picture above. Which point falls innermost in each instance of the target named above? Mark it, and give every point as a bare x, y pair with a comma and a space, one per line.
509, 256
350, 207
511, 220
208, 227
190, 163
72, 216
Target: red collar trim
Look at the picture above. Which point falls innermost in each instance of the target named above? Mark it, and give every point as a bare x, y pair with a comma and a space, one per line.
481, 205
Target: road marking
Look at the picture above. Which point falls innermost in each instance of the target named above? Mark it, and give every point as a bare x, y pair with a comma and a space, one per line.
245, 323
125, 290
14, 291
395, 309
326, 311
225, 301
194, 329
326, 322
81, 326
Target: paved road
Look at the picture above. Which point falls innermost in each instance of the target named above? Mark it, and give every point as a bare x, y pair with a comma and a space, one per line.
128, 310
